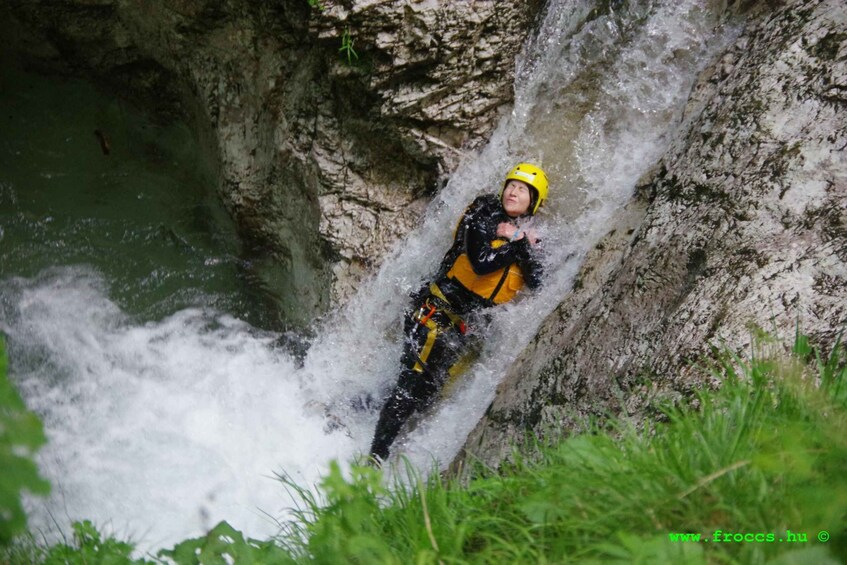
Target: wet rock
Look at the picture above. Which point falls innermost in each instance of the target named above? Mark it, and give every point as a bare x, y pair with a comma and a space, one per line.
741, 230
330, 127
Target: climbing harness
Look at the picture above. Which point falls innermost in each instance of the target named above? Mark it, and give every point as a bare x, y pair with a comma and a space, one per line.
427, 315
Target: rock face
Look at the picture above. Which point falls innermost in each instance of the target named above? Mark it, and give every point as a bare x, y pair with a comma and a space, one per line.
742, 226
330, 124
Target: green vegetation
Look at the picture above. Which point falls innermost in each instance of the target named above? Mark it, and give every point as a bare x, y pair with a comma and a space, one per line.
763, 457
347, 47
21, 434
225, 541
764, 454
89, 547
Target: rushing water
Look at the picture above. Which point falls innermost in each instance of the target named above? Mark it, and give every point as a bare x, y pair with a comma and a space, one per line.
166, 412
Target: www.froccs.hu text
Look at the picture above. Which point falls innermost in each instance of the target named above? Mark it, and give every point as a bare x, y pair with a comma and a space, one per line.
720, 536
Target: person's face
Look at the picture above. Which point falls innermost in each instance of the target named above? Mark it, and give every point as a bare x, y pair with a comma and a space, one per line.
516, 198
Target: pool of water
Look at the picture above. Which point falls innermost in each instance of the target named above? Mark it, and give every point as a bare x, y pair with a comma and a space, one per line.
89, 181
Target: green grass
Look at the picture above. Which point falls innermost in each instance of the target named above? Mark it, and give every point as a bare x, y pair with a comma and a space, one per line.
763, 455
767, 453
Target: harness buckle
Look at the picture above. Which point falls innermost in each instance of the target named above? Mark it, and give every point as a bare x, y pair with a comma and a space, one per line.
437, 303
424, 318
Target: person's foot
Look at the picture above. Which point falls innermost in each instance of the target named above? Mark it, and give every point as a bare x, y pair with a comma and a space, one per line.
374, 461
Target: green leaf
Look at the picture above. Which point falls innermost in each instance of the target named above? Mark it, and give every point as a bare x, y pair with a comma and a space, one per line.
21, 434
224, 544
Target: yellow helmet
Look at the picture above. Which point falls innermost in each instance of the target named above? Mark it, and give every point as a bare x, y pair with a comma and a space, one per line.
534, 177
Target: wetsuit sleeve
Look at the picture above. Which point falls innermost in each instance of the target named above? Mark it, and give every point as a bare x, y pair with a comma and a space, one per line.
532, 269
481, 230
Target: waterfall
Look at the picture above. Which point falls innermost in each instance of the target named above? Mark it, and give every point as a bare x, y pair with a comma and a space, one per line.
158, 430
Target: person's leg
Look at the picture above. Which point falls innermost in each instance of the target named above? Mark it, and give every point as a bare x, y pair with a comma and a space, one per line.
428, 352
412, 392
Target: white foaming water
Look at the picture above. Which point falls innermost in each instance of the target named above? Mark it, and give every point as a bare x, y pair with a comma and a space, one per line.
159, 431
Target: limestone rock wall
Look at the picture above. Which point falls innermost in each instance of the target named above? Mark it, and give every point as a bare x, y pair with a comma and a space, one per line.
437, 74
325, 158
742, 226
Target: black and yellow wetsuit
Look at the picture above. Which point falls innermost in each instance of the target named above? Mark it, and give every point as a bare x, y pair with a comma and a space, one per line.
479, 270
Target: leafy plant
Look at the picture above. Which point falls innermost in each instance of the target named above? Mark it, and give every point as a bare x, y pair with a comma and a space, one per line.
347, 47
225, 544
354, 533
21, 434
90, 547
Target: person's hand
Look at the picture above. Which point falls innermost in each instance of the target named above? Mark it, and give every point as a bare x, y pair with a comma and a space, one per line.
507, 231
510, 232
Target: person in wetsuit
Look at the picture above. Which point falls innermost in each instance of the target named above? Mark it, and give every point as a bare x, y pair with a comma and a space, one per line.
492, 258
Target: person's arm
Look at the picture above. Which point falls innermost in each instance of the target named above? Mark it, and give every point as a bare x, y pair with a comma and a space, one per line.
532, 269
531, 265
481, 230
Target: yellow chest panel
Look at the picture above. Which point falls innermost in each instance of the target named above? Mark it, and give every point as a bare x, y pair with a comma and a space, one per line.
486, 286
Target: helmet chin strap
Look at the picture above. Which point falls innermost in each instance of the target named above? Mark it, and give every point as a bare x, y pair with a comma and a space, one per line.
533, 200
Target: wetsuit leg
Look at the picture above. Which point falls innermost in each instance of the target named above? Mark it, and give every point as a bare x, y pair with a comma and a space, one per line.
412, 392
418, 384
